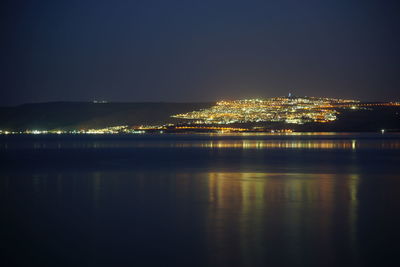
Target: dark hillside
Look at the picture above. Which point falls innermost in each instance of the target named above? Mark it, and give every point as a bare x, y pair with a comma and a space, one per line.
73, 115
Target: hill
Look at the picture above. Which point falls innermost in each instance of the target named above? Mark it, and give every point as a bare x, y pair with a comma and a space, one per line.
86, 115
76, 115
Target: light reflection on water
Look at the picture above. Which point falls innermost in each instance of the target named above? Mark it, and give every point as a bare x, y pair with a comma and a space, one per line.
240, 219
271, 204
260, 209
349, 144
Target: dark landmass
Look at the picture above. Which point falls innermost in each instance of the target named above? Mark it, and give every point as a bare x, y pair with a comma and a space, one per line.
86, 115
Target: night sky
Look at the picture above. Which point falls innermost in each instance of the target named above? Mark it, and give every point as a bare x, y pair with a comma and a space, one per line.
194, 51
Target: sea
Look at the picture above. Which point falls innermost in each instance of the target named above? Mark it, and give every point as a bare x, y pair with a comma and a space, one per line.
300, 199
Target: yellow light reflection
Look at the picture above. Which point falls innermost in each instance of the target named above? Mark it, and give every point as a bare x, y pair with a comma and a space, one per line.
254, 209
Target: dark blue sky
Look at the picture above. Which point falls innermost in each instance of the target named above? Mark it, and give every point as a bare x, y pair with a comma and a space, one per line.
169, 50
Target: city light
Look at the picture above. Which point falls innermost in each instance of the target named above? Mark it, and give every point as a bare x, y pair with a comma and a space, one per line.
295, 110
245, 114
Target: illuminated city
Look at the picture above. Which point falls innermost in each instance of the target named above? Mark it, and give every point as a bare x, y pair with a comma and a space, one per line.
297, 110
274, 115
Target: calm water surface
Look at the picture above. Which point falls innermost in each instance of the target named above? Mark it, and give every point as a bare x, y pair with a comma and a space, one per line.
200, 200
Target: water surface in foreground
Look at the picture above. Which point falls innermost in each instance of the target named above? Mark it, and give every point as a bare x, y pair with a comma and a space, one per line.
201, 200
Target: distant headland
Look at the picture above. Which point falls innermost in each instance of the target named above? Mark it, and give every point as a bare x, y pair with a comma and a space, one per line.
277, 114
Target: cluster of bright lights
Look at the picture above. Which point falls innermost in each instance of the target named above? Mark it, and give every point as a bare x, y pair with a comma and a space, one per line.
107, 130
121, 129
296, 110
149, 129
